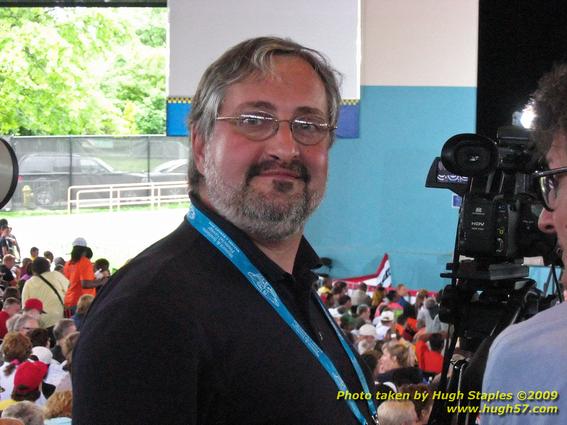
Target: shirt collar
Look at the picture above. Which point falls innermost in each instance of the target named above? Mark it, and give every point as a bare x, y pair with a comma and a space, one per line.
305, 260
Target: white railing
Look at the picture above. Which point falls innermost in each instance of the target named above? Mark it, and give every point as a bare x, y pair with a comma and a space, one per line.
113, 196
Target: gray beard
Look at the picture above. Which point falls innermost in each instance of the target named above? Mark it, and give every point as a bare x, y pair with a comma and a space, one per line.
255, 213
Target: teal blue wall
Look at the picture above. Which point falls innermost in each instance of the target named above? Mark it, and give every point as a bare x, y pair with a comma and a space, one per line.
376, 201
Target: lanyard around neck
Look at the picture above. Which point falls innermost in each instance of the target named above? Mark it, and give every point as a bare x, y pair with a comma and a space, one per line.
232, 252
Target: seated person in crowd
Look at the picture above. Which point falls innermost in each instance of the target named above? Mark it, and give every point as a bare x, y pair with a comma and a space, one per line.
359, 296
366, 338
16, 349
9, 274
394, 412
63, 328
59, 407
22, 323
421, 396
371, 358
34, 252
10, 308
83, 306
429, 348
362, 316
68, 346
27, 384
49, 256
398, 364
384, 324
39, 338
25, 411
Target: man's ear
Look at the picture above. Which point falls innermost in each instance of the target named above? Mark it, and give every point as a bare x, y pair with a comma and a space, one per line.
198, 150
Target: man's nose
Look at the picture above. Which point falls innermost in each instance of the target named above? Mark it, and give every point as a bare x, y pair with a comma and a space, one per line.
282, 144
545, 221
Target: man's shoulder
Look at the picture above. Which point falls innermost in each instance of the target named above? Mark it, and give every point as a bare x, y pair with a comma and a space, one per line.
542, 325
174, 266
537, 342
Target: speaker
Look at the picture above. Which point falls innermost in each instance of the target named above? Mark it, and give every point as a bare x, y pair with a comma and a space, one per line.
8, 172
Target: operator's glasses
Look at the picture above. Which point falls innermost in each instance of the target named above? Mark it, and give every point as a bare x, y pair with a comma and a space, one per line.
258, 126
548, 183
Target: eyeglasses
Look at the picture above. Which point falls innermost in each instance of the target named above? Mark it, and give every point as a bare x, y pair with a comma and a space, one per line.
548, 183
258, 126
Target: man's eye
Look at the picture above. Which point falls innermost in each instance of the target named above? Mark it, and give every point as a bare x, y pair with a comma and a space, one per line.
252, 120
307, 125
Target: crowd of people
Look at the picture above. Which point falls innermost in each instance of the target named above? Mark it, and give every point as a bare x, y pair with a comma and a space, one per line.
398, 336
44, 300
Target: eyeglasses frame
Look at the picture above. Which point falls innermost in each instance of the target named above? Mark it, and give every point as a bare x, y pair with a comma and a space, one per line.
546, 173
276, 126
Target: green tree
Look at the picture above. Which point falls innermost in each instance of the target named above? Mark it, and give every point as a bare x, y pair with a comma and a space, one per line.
82, 71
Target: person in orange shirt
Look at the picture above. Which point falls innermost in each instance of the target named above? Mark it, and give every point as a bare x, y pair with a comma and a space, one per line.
430, 358
79, 271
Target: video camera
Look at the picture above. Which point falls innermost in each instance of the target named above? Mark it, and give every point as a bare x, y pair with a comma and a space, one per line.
497, 229
501, 204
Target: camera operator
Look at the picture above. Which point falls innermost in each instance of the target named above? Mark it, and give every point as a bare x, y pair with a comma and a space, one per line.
529, 360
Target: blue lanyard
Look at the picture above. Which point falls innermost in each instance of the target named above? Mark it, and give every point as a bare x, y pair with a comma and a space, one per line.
233, 253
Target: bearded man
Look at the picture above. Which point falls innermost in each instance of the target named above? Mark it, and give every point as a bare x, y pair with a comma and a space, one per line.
218, 322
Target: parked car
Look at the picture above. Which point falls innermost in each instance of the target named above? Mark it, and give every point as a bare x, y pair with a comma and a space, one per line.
175, 170
171, 171
49, 175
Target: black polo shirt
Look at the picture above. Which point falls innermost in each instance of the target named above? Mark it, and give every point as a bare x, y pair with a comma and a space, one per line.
179, 336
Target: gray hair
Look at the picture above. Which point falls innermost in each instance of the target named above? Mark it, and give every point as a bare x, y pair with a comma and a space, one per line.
18, 321
9, 302
250, 57
26, 411
63, 328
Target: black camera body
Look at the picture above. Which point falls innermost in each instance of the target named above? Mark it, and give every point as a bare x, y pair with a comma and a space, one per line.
490, 288
501, 205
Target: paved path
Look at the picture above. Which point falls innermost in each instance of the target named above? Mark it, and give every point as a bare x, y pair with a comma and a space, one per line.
117, 236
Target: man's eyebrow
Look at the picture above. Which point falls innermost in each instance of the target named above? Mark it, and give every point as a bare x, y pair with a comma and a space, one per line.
270, 107
260, 104
309, 110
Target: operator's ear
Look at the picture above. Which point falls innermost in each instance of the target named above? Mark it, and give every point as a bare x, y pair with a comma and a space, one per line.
198, 149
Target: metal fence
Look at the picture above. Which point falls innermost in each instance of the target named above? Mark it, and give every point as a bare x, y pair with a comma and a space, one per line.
48, 166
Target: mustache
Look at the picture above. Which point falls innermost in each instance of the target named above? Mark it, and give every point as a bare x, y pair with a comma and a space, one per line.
295, 167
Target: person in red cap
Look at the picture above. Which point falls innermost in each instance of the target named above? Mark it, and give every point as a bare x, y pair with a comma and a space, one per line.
27, 383
33, 307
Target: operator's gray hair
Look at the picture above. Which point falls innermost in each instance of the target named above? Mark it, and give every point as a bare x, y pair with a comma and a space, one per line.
253, 56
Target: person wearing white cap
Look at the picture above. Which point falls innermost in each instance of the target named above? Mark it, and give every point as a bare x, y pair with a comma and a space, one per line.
366, 338
79, 271
385, 323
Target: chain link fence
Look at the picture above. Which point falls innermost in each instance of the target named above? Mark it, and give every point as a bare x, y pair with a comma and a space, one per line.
49, 165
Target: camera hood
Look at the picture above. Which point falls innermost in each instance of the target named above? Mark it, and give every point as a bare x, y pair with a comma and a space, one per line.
469, 155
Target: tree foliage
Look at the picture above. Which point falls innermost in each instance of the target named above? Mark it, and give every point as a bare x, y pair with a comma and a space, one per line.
82, 71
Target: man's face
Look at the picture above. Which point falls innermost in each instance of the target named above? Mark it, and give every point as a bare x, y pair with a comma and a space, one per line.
29, 326
402, 290
33, 313
267, 188
9, 262
555, 222
13, 309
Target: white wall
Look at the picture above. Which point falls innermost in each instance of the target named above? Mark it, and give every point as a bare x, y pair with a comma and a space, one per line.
201, 30
419, 42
